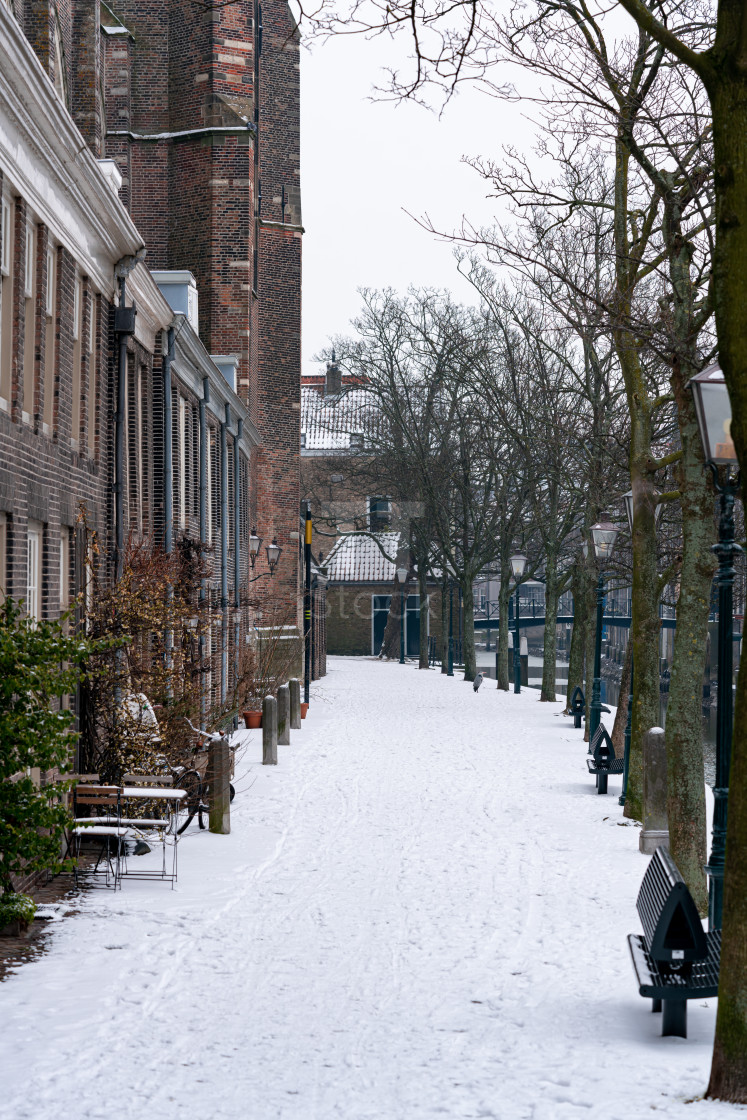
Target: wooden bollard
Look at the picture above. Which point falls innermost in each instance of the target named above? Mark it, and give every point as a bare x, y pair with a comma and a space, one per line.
655, 831
294, 688
220, 792
269, 731
284, 731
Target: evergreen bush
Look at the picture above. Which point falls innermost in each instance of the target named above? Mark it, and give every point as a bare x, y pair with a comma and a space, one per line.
39, 664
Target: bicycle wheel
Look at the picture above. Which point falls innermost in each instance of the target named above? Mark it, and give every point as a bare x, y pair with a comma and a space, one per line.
186, 809
204, 808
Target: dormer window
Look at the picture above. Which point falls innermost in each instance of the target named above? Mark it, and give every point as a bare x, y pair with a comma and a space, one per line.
379, 514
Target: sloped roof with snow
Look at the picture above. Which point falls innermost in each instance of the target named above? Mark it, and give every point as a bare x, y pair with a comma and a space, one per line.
327, 423
357, 558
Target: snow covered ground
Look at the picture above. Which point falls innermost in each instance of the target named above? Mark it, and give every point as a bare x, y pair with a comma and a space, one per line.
421, 912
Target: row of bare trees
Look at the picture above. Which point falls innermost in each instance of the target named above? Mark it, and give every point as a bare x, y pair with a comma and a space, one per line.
622, 272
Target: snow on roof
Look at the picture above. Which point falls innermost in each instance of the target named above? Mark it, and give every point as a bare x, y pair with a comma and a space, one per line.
327, 423
357, 558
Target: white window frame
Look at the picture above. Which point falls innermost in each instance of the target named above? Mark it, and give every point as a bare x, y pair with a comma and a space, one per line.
34, 542
6, 238
76, 307
49, 305
28, 273
64, 568
91, 322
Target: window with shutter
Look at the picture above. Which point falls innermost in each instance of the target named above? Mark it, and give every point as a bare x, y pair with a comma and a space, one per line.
50, 332
29, 323
7, 254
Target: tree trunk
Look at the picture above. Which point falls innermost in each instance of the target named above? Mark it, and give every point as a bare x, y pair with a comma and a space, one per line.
644, 630
549, 657
621, 718
503, 598
578, 637
468, 629
424, 615
726, 83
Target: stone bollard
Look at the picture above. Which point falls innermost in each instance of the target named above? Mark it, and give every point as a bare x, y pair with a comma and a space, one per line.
284, 731
269, 731
219, 769
655, 832
294, 686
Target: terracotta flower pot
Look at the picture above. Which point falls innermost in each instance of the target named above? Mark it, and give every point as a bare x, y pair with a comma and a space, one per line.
304, 709
253, 720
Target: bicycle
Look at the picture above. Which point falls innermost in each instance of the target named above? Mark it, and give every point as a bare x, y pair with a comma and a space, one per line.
194, 781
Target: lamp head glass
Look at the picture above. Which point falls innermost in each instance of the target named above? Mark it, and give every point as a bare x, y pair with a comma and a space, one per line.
518, 563
713, 410
603, 534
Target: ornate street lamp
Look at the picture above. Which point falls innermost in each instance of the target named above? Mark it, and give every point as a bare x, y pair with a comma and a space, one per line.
255, 543
273, 554
713, 410
401, 577
603, 535
518, 563
628, 499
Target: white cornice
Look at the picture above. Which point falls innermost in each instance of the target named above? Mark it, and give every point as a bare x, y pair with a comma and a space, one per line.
48, 162
153, 312
192, 363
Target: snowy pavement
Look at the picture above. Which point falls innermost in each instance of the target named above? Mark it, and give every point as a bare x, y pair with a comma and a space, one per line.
421, 912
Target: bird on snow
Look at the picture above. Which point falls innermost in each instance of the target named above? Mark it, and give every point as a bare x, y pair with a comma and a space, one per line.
477, 682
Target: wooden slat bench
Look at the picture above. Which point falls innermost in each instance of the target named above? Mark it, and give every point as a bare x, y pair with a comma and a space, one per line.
602, 761
674, 959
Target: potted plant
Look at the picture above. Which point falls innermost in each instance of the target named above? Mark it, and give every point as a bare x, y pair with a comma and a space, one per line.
16, 914
252, 718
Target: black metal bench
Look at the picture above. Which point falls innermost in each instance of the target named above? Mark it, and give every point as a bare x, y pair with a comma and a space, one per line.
675, 959
578, 706
602, 761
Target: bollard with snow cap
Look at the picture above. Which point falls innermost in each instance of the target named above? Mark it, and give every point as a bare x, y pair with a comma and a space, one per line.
284, 726
269, 731
655, 832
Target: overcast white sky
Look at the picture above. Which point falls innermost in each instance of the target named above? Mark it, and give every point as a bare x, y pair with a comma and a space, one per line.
364, 164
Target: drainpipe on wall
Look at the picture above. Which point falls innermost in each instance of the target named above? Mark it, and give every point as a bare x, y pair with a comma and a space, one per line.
237, 540
203, 530
224, 554
168, 450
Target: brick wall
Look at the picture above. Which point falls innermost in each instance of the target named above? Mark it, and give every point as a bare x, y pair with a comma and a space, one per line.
196, 200
42, 477
349, 608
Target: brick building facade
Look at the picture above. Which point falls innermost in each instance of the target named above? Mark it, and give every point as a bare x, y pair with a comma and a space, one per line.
202, 116
114, 417
355, 537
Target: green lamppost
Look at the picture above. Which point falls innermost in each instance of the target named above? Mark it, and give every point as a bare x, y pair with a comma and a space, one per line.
713, 410
518, 563
603, 535
401, 577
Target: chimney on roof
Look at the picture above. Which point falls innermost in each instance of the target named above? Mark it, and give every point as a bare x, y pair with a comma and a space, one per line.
333, 380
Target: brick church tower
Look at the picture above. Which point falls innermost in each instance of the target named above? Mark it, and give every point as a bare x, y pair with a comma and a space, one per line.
202, 116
